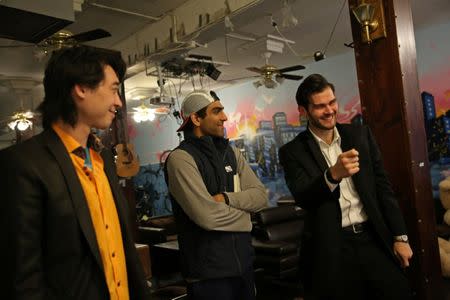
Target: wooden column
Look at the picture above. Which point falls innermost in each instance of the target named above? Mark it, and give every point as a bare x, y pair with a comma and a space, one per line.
128, 187
392, 107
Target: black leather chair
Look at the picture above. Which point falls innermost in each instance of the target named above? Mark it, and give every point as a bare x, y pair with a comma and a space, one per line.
157, 230
276, 239
172, 289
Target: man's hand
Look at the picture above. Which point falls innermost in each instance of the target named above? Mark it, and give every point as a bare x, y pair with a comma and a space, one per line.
219, 198
346, 165
403, 252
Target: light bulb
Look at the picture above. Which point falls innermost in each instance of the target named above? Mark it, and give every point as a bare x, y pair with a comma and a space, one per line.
23, 125
151, 115
137, 117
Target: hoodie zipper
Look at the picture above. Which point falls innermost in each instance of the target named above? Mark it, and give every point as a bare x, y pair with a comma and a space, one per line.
233, 235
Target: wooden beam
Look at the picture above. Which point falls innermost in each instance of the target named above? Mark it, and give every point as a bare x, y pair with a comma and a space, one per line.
392, 107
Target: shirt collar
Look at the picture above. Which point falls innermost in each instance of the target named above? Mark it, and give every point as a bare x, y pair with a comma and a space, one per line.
336, 137
72, 145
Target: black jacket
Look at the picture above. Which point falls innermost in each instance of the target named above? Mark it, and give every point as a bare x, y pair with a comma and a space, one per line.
48, 241
304, 167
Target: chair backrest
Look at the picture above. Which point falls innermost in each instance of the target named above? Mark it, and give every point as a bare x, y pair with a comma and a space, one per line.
281, 223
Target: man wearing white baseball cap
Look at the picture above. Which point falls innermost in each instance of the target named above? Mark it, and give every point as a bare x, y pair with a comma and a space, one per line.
213, 192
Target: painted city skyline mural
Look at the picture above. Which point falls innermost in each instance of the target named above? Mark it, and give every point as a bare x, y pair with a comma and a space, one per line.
261, 120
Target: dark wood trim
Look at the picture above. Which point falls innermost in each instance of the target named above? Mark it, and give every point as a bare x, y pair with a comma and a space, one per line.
392, 107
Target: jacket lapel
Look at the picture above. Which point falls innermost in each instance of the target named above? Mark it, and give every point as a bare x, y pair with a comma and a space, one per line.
349, 141
315, 151
56, 147
110, 174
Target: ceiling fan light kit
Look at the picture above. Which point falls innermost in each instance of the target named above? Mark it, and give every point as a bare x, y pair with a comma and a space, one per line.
271, 75
143, 113
62, 39
20, 121
20, 124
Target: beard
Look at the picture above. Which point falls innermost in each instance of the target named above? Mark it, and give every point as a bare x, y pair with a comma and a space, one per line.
315, 122
214, 131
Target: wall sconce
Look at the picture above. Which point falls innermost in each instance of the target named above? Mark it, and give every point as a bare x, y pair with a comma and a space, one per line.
370, 15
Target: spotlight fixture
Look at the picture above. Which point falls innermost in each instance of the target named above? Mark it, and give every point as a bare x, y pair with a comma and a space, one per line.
370, 15
319, 55
212, 72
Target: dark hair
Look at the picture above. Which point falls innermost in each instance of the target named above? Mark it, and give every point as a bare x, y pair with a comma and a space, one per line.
312, 84
201, 113
67, 67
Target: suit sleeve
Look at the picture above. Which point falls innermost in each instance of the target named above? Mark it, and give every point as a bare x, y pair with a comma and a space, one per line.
187, 187
310, 190
22, 220
253, 196
385, 195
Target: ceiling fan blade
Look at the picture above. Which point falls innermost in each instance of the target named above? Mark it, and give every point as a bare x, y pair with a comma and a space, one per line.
254, 69
16, 46
291, 77
291, 68
90, 35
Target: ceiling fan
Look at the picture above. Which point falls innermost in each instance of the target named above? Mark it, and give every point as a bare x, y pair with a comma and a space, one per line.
21, 120
144, 112
271, 75
160, 104
64, 38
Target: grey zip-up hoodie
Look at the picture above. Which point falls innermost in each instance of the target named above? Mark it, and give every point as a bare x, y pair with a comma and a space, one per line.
214, 238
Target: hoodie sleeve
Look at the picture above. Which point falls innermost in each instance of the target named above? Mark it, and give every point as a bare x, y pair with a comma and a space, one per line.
252, 195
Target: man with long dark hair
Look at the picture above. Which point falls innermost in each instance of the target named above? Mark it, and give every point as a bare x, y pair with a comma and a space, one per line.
64, 218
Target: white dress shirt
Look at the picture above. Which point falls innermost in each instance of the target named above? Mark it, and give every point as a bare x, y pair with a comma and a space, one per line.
351, 206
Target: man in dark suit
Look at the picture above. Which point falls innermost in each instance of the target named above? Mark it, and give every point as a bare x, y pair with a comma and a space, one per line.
64, 219
354, 244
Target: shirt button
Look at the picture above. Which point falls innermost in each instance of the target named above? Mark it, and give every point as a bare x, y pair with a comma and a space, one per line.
106, 226
118, 283
113, 254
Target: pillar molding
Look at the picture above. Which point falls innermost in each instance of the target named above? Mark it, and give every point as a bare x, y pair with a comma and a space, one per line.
391, 106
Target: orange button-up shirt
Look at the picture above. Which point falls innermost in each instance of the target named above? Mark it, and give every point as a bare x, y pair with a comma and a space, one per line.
103, 214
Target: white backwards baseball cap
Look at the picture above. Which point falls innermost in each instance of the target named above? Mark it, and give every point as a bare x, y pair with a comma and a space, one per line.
194, 102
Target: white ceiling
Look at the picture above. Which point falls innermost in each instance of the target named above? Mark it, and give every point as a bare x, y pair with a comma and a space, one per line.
21, 73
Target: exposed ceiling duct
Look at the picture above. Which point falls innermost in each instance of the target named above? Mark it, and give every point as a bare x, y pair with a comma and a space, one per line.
33, 21
181, 31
